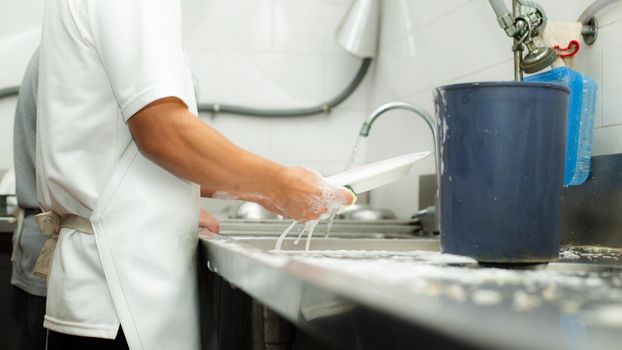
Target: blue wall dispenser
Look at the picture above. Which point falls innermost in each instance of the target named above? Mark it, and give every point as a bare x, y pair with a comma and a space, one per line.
581, 110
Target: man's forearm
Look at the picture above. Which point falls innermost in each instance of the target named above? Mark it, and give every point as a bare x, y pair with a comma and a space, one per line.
180, 142
171, 136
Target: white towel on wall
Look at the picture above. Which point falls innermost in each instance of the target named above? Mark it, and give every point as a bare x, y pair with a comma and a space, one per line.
562, 36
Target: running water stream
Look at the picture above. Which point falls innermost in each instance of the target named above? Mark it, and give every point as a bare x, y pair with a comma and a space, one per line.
353, 160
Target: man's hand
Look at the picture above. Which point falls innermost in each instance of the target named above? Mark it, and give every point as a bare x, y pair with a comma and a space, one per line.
208, 221
298, 193
306, 196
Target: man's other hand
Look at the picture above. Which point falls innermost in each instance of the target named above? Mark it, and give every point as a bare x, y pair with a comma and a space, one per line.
208, 221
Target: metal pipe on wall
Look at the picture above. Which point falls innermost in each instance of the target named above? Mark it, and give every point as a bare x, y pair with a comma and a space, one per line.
216, 108
325, 107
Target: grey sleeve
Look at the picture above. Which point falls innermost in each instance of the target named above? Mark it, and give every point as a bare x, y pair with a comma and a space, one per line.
24, 136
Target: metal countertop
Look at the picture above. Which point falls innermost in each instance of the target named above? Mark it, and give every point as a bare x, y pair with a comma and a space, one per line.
402, 286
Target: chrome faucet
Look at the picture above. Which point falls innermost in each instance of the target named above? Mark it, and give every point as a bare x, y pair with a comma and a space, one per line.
420, 112
526, 21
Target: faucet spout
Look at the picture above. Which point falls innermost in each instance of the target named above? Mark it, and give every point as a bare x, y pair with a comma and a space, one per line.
420, 112
366, 128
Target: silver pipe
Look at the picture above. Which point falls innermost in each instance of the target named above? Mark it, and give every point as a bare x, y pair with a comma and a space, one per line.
504, 16
517, 47
366, 127
323, 108
499, 7
9, 91
590, 24
598, 5
518, 71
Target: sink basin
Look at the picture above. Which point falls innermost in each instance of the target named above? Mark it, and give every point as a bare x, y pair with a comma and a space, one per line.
363, 242
396, 245
343, 228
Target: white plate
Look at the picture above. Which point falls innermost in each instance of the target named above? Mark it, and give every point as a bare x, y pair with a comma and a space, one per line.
374, 175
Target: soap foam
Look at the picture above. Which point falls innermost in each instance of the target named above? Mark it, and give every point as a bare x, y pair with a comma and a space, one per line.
279, 241
330, 202
223, 195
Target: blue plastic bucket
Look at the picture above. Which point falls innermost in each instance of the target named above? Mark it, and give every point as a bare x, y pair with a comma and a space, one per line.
501, 148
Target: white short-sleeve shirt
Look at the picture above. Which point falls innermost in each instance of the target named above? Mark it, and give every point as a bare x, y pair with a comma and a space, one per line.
101, 62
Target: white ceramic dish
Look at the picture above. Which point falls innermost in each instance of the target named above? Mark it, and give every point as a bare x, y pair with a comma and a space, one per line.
374, 175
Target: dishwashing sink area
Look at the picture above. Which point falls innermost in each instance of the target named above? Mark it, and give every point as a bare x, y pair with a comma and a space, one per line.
342, 228
407, 284
395, 236
346, 242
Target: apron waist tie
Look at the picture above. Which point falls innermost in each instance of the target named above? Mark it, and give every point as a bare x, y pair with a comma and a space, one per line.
50, 224
18, 232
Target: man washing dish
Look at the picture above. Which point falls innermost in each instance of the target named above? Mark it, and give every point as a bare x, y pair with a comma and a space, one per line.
121, 161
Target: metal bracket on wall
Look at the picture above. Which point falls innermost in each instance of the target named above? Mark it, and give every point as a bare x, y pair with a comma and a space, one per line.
590, 31
590, 24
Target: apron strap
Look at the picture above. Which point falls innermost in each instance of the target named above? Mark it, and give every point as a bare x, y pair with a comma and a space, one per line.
18, 232
50, 225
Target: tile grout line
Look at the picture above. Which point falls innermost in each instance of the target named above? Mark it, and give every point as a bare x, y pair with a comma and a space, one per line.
447, 81
604, 79
422, 26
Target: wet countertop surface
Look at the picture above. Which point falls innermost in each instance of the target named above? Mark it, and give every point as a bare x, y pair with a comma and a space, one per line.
575, 303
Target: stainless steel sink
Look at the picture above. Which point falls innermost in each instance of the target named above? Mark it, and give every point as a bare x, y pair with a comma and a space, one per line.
403, 280
320, 243
367, 242
342, 228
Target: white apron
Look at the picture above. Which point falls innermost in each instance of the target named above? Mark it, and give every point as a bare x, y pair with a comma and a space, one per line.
145, 226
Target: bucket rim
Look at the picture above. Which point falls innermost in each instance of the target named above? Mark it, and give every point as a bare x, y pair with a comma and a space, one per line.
509, 83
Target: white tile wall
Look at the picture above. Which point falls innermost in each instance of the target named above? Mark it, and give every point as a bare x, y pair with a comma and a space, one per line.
611, 83
428, 44
7, 108
19, 16
610, 15
607, 140
239, 25
307, 26
403, 17
15, 51
19, 36
590, 62
266, 80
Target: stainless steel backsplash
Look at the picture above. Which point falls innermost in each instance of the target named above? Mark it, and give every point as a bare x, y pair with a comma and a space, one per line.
592, 212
